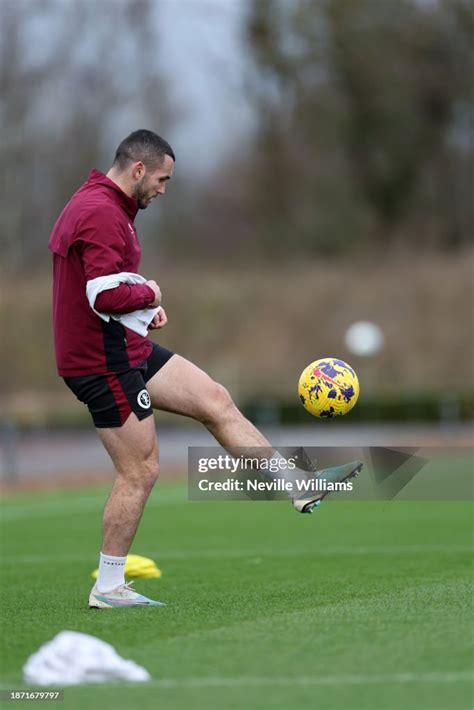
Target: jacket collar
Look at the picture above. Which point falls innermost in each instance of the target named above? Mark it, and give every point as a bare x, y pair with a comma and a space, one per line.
129, 204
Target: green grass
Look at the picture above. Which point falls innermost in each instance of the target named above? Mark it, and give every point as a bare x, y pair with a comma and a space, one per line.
362, 605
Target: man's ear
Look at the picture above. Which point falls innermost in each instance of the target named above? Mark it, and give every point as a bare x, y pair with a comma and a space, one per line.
138, 170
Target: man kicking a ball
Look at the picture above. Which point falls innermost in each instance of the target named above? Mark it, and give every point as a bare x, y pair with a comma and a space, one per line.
108, 361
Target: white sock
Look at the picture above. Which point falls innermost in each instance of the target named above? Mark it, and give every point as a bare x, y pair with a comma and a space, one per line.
289, 475
111, 572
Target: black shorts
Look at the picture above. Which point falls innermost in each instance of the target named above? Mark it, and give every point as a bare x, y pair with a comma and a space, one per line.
112, 397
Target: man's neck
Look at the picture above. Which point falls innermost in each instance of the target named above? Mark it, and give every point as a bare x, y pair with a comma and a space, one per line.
118, 179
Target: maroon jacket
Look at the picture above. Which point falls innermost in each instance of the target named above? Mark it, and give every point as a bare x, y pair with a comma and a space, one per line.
95, 236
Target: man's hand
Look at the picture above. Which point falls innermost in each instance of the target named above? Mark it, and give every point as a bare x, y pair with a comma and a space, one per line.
159, 321
156, 290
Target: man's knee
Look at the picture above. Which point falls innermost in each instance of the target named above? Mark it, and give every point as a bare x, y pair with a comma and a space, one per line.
219, 404
151, 472
143, 474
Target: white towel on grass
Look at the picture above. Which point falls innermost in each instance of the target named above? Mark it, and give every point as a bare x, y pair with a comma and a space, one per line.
73, 658
136, 320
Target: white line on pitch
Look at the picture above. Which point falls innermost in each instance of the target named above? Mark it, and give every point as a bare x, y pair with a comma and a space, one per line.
395, 678
40, 509
254, 554
270, 681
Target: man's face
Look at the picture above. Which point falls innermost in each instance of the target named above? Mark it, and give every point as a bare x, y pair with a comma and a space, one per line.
152, 183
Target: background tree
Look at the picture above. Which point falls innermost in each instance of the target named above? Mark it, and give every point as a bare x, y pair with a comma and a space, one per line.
66, 103
363, 127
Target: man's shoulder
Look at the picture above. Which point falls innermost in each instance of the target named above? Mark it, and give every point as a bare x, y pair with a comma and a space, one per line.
91, 199
88, 216
95, 208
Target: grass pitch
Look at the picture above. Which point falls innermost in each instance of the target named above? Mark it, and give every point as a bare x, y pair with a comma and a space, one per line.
361, 605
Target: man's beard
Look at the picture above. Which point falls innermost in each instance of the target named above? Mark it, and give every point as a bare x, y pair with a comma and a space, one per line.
141, 195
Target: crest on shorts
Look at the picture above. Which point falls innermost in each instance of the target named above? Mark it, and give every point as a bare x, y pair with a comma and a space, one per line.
143, 399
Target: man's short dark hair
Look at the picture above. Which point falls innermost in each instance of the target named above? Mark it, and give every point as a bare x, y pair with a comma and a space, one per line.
145, 146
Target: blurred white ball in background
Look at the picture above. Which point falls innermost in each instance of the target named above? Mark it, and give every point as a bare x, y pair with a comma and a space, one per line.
364, 338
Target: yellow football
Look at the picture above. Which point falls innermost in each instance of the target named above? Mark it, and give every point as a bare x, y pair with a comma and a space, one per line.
328, 387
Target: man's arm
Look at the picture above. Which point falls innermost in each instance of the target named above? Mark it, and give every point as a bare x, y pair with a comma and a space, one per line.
126, 298
102, 245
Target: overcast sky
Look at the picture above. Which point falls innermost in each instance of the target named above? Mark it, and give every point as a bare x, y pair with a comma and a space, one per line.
204, 63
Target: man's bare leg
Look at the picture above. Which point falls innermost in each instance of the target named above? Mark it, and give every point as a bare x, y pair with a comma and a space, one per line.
133, 449
183, 388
